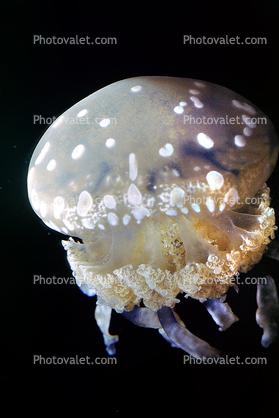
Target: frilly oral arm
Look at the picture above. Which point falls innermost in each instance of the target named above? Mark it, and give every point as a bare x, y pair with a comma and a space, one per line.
267, 314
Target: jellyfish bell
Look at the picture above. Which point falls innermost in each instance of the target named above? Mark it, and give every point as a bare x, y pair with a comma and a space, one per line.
163, 180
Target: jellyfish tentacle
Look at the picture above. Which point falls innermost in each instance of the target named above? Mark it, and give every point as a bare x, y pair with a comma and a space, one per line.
221, 313
182, 338
143, 317
267, 314
102, 316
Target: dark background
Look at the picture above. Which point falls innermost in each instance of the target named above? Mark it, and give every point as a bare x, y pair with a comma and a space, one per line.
57, 320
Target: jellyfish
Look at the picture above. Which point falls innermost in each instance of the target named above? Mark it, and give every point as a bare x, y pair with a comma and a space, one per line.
160, 185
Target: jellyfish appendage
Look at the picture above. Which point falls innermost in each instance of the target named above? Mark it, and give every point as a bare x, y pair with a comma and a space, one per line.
163, 266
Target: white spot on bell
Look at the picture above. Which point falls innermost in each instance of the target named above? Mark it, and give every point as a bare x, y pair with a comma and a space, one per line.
248, 121
178, 110
134, 195
247, 131
51, 165
82, 113
58, 206
68, 225
110, 143
136, 89
109, 201
104, 122
194, 91
197, 102
205, 141
232, 197
78, 151
239, 141
210, 204
133, 167
113, 219
88, 223
199, 84
244, 106
42, 154
167, 151
215, 180
171, 212
177, 197
126, 219
196, 207
139, 213
85, 203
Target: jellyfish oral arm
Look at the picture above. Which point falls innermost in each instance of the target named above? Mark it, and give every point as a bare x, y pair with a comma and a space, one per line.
180, 337
221, 313
102, 316
267, 314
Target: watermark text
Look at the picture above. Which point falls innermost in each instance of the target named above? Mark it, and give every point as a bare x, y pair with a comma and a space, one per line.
73, 40
226, 360
74, 360
39, 279
84, 120
251, 122
224, 40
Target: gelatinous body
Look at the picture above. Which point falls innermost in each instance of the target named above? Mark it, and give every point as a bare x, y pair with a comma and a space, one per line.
163, 179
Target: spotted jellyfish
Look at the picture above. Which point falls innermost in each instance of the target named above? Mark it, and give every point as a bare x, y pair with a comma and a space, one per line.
159, 182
